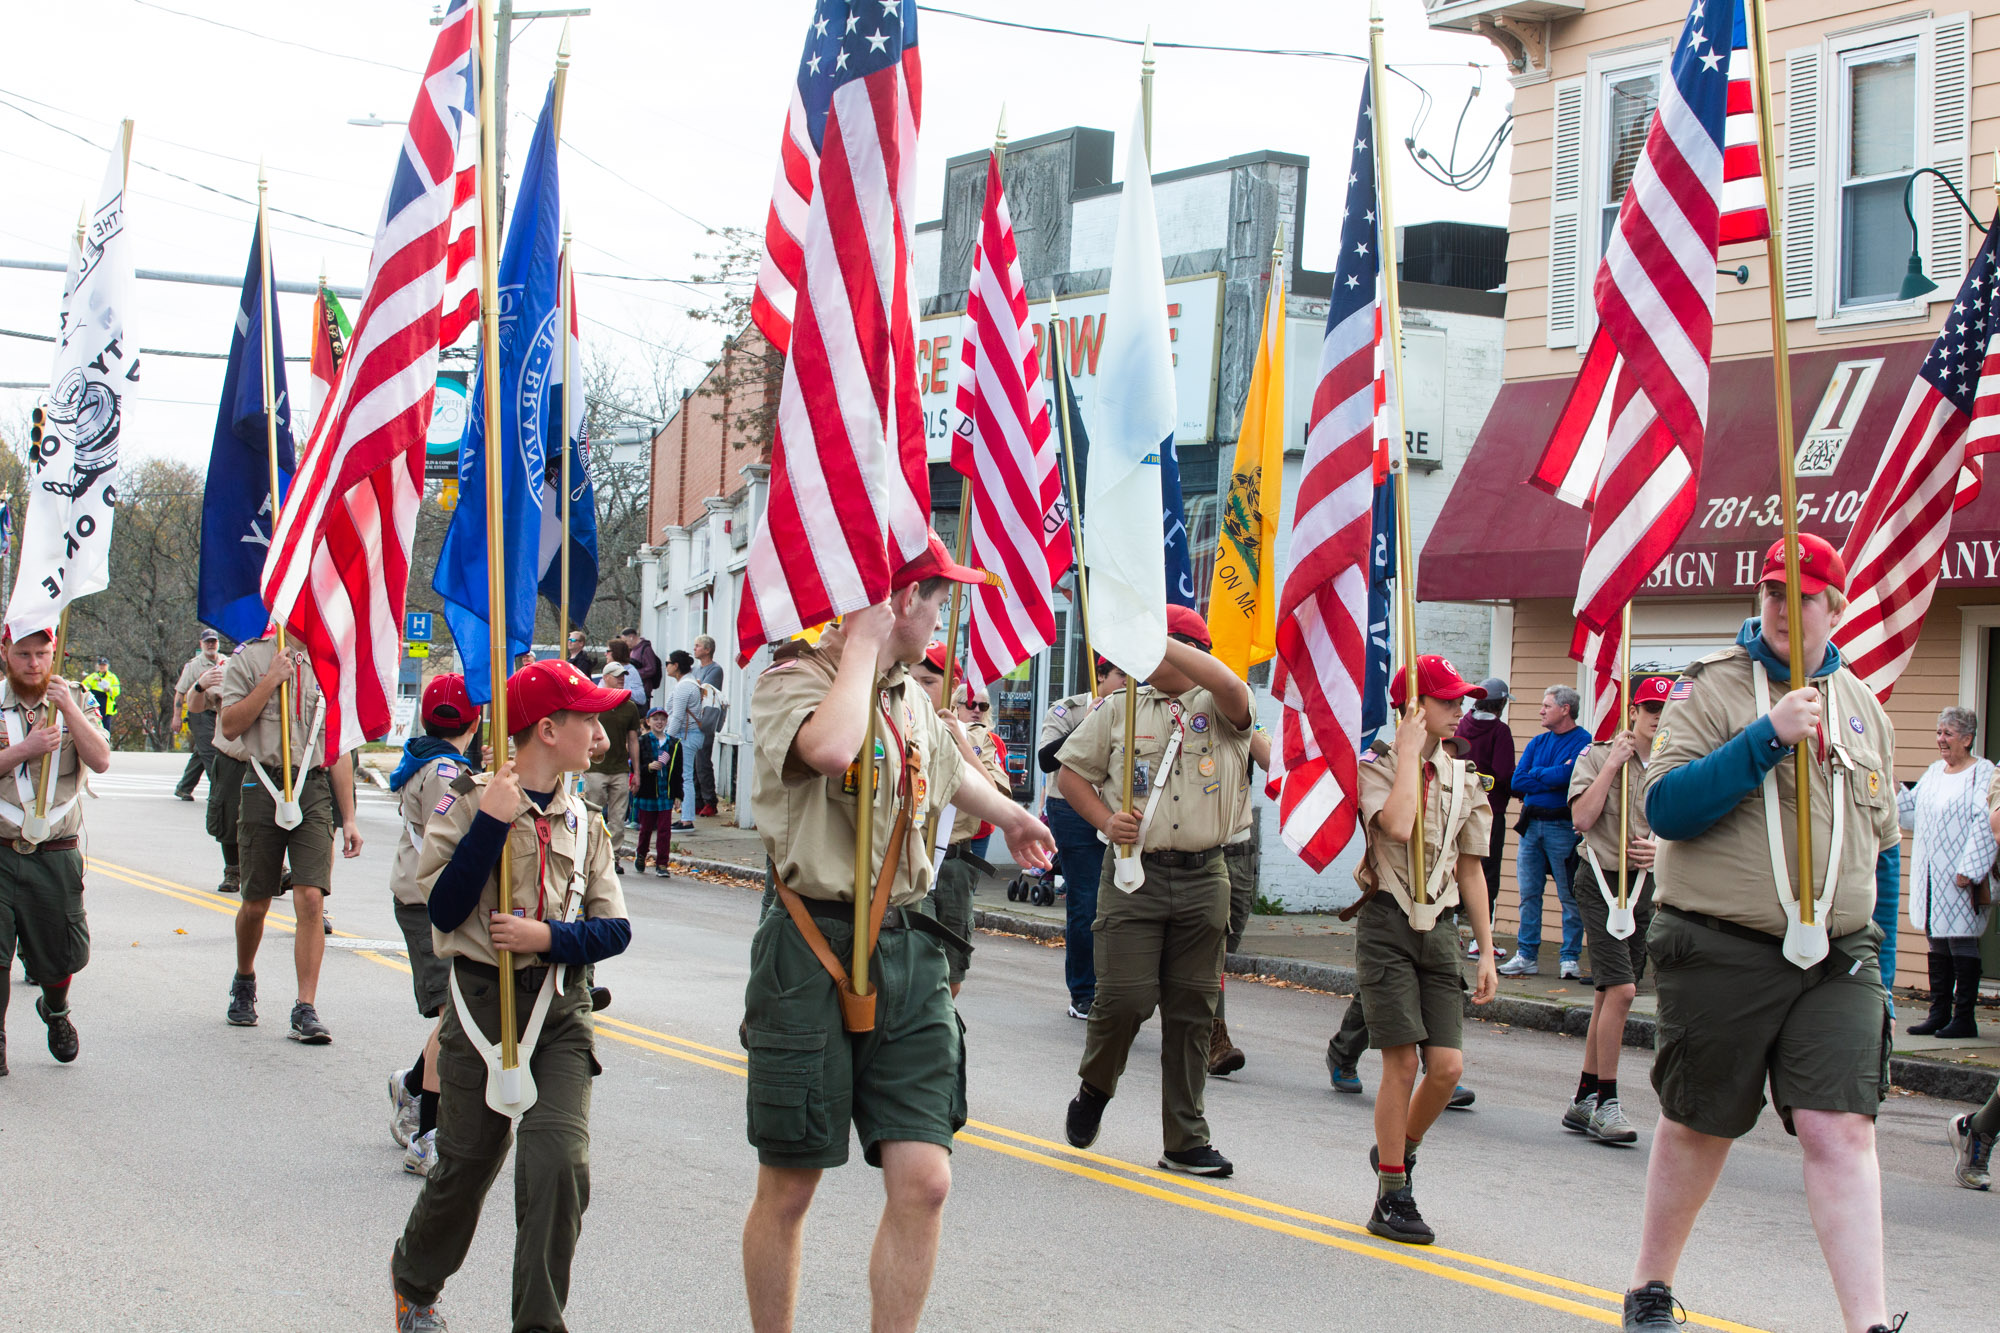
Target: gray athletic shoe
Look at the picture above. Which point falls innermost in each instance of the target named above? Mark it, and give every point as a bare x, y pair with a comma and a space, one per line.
1974, 1151
417, 1318
403, 1117
1609, 1125
306, 1026
1579, 1114
1520, 965
243, 1002
422, 1154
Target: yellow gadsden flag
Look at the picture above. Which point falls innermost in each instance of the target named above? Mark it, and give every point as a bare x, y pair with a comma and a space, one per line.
1243, 601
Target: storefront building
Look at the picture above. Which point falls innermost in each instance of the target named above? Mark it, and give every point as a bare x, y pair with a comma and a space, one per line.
1863, 98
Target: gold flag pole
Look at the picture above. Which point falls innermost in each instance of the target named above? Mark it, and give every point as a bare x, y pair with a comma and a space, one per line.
864, 835
496, 545
1406, 561
1075, 497
1781, 367
565, 282
288, 808
1625, 769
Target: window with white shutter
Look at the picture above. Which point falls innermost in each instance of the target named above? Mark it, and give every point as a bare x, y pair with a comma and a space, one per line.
1566, 213
1945, 249
1801, 182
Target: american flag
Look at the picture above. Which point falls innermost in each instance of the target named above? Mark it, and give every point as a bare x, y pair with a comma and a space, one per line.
1746, 213
850, 491
1930, 469
1599, 652
1323, 612
1002, 447
339, 563
1630, 438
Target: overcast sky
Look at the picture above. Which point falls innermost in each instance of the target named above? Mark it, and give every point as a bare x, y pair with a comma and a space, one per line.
678, 107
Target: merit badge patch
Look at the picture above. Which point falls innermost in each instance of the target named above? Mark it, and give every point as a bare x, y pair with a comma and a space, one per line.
444, 804
1660, 741
1682, 688
1874, 784
1855, 723
1485, 782
1199, 722
1207, 765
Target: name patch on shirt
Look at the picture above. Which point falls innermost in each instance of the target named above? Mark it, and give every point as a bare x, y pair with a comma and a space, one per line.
1211, 789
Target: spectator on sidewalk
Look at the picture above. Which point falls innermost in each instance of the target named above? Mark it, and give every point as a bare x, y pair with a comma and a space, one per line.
659, 771
580, 657
1489, 748
620, 654
646, 660
1950, 860
1548, 840
683, 702
714, 708
614, 775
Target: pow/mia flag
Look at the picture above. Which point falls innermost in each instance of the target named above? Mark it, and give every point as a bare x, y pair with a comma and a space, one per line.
73, 469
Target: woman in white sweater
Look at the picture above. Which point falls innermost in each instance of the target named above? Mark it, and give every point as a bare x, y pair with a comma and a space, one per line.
1952, 811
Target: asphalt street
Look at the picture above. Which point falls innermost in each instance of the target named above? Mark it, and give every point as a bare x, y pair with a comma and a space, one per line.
186, 1175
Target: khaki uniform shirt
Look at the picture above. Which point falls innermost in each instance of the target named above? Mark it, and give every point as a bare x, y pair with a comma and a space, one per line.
575, 834
1064, 716
192, 672
416, 802
18, 790
964, 825
261, 741
1726, 872
1199, 798
1386, 865
807, 820
1603, 835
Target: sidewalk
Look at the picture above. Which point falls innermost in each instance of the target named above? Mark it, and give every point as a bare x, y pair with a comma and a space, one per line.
1317, 952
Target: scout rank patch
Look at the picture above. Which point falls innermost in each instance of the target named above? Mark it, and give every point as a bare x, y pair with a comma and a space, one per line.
1855, 723
1660, 741
1198, 723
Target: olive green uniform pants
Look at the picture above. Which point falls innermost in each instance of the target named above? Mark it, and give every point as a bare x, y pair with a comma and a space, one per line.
551, 1165
1241, 859
1159, 948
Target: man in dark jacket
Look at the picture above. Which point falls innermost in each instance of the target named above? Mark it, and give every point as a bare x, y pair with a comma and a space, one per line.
645, 659
1490, 750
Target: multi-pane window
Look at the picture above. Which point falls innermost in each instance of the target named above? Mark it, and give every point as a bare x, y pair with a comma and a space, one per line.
1630, 98
1878, 150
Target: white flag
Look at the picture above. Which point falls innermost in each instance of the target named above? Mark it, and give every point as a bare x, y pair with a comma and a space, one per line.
1134, 422
73, 481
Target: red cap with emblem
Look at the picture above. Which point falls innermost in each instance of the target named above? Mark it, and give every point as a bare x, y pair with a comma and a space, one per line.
1653, 689
934, 563
446, 704
1186, 620
1436, 679
540, 689
935, 658
1820, 566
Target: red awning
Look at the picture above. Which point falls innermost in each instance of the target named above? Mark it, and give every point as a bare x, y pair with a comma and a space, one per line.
1498, 538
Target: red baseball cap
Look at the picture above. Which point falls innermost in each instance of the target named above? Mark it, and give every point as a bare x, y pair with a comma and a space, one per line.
542, 688
1653, 689
934, 563
446, 704
1820, 566
1186, 620
936, 658
1436, 679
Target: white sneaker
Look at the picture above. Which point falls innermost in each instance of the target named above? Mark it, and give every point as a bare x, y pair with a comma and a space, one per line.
422, 1154
1520, 966
1570, 970
1472, 949
402, 1110
1609, 1125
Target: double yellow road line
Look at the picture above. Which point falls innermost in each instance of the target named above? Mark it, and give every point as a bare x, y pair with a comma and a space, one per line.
1596, 1304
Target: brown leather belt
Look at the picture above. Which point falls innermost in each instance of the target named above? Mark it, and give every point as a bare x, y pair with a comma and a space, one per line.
1183, 860
26, 848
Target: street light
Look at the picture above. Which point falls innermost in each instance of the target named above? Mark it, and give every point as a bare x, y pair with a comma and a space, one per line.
371, 121
1915, 284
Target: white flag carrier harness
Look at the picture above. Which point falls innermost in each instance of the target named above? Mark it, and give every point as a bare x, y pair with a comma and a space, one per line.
1620, 928
306, 763
1804, 945
24, 786
1156, 780
1424, 915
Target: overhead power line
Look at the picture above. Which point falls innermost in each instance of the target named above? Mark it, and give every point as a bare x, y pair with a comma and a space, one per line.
143, 351
281, 41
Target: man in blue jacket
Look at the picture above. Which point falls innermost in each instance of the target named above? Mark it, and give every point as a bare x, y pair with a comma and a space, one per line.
1548, 841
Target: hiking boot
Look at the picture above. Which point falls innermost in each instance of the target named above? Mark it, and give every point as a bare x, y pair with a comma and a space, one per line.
1396, 1218
1652, 1306
1462, 1098
306, 1026
422, 1154
243, 1002
417, 1318
403, 1117
1579, 1114
1223, 1056
1202, 1161
1346, 1078
1520, 965
1086, 1114
62, 1032
1609, 1125
1974, 1153
232, 880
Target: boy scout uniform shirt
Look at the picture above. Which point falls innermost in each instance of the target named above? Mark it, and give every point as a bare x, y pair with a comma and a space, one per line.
1726, 871
420, 799
1064, 717
1386, 865
1603, 835
574, 831
191, 674
1198, 802
18, 789
260, 742
807, 819
964, 825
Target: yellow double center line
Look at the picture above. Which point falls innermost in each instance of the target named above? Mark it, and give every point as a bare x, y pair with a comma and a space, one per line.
1596, 1304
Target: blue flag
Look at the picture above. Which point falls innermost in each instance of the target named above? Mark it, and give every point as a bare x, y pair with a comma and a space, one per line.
530, 414
236, 509
6, 528
1381, 569
1180, 559
582, 496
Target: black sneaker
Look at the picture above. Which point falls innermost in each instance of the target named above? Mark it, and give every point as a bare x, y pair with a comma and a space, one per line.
1896, 1327
1652, 1306
62, 1032
306, 1026
1202, 1161
600, 998
243, 1002
1396, 1218
1086, 1114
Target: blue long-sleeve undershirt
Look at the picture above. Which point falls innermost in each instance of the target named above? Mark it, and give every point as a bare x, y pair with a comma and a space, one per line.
1888, 892
460, 884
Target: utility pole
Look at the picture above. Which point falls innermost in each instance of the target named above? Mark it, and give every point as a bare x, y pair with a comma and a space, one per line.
505, 16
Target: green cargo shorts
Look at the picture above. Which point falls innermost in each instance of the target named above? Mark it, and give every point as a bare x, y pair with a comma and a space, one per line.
1613, 962
225, 800
264, 848
810, 1078
41, 913
1411, 985
1734, 1015
430, 975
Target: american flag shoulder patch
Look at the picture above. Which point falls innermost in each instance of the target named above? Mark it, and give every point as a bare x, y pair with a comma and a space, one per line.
1682, 688
447, 770
444, 804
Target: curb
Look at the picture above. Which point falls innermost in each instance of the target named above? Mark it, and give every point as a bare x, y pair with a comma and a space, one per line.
1932, 1078
727, 869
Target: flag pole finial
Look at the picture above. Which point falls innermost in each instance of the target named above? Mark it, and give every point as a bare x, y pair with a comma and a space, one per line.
1000, 131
